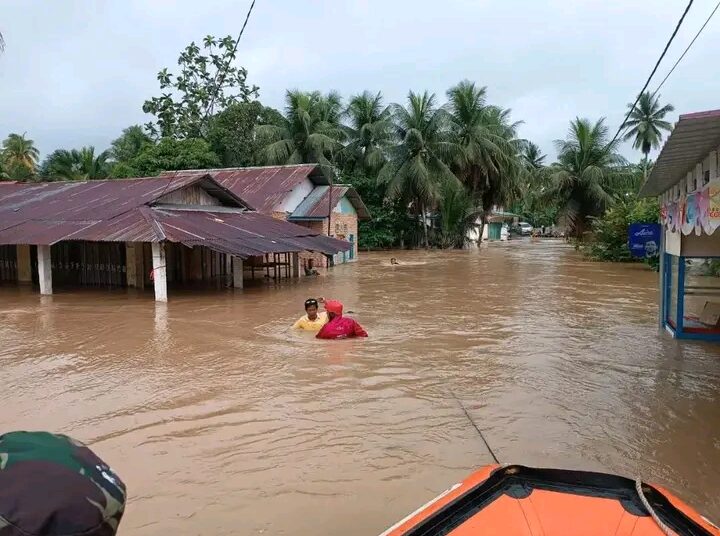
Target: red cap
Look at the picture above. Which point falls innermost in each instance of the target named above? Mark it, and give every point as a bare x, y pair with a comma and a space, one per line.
333, 306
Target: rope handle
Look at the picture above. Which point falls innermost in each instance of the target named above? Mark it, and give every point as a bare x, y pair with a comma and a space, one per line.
663, 527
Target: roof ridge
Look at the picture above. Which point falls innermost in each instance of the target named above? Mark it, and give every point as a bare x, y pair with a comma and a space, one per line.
240, 168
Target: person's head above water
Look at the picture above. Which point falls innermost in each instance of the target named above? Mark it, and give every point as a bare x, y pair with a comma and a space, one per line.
311, 308
334, 308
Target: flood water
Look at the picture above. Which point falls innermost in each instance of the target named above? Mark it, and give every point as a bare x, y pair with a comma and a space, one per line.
221, 421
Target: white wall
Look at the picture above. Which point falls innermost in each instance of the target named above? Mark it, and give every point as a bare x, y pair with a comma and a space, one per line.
295, 197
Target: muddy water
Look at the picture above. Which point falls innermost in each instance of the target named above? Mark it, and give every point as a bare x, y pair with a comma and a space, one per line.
221, 421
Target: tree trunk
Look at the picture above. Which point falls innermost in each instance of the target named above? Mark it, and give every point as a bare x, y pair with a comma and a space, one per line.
483, 223
425, 227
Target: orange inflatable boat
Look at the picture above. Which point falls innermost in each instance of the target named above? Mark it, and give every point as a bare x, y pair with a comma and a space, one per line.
515, 500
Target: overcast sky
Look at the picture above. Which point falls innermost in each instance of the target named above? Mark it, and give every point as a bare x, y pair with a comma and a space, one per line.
76, 72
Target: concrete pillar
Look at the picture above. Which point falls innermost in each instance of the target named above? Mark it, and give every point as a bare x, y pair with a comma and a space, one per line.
44, 270
296, 265
24, 266
237, 271
159, 271
131, 274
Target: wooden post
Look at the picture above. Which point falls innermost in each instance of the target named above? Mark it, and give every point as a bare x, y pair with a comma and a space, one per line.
24, 266
296, 265
140, 264
207, 264
237, 272
44, 270
159, 271
131, 274
196, 264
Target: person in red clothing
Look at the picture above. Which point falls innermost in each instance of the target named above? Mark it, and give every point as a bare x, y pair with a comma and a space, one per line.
339, 326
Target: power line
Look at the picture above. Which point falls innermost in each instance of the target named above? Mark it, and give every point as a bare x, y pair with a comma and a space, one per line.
657, 64
219, 79
688, 48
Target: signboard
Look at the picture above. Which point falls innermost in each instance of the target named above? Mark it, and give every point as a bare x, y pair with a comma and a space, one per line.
644, 239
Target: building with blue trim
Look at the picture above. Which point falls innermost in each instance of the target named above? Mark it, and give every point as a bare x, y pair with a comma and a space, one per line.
686, 181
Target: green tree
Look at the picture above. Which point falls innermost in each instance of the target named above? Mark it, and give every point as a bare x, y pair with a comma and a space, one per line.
646, 123
534, 183
231, 133
488, 162
369, 132
170, 154
130, 143
208, 82
310, 130
610, 231
458, 214
390, 225
586, 173
20, 156
418, 164
76, 165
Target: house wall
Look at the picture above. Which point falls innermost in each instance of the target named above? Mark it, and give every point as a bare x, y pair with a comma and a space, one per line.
192, 195
295, 197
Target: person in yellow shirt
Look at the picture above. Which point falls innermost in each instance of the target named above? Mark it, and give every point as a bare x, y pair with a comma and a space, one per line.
312, 321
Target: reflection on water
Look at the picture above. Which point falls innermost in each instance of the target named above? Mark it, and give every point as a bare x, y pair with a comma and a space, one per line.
222, 421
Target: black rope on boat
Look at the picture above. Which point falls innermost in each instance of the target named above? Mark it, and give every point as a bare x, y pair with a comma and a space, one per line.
479, 431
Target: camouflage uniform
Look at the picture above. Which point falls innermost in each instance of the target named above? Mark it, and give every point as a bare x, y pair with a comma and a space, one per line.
52, 485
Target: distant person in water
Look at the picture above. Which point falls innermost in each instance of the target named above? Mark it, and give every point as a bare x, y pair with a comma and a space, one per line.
310, 269
394, 261
312, 320
339, 326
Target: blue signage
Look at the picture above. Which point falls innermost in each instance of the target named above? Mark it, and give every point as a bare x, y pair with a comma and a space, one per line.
644, 239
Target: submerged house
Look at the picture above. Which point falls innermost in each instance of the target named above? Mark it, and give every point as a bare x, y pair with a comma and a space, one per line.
145, 232
300, 194
495, 229
686, 180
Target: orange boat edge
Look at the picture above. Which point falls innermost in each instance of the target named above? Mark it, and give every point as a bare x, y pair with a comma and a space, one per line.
514, 500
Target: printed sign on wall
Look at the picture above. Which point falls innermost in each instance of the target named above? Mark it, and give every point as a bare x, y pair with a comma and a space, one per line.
644, 239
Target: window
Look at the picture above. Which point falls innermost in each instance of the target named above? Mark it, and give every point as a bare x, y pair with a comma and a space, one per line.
706, 177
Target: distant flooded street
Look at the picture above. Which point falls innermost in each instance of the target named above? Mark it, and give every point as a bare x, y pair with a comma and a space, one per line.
222, 421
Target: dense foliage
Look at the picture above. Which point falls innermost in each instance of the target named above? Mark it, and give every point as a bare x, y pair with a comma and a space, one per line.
610, 231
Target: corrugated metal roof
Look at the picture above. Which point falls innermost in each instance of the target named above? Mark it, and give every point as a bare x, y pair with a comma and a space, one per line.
107, 211
263, 188
316, 205
694, 136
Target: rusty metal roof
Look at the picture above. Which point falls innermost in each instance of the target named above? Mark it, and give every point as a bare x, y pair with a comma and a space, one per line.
317, 204
123, 210
262, 188
694, 136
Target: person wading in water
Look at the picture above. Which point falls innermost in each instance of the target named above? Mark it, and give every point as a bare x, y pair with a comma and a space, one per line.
339, 326
312, 320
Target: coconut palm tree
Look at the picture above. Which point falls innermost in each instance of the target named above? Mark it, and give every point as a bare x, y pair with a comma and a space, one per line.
586, 174
488, 162
532, 156
77, 165
646, 123
369, 131
310, 131
417, 165
458, 214
20, 153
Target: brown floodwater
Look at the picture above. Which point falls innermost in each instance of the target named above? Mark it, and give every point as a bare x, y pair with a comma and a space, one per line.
222, 421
